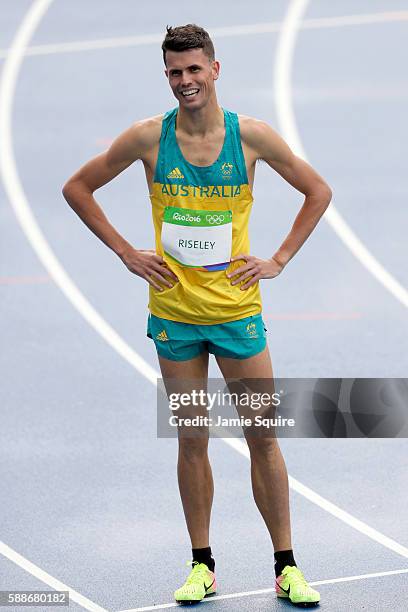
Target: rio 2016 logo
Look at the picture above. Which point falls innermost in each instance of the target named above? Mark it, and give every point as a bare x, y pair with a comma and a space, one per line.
214, 219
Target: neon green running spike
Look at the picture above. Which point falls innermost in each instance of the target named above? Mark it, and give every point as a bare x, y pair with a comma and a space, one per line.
292, 584
199, 584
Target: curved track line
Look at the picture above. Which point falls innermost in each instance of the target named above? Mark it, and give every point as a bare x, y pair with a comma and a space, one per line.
15, 192
37, 240
20, 204
331, 508
287, 122
36, 571
221, 32
272, 590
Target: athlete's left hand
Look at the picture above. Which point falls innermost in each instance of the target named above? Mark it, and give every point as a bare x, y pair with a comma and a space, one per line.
254, 269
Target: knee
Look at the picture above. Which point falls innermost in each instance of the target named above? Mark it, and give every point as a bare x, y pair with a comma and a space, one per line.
263, 448
193, 449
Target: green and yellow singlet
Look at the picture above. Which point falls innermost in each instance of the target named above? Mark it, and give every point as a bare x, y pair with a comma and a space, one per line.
200, 217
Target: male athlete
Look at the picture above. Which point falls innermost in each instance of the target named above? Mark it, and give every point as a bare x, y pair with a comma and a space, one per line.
204, 292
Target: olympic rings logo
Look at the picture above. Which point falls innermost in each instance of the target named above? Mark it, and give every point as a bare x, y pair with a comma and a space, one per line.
214, 219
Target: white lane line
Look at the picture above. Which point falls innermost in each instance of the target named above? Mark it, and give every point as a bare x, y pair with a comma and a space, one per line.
222, 32
270, 590
288, 128
34, 235
36, 571
22, 209
331, 508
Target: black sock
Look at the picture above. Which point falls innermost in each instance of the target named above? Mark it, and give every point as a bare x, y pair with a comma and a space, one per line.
203, 555
282, 558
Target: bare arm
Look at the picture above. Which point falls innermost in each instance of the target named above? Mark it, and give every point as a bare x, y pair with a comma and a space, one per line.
266, 144
135, 143
273, 149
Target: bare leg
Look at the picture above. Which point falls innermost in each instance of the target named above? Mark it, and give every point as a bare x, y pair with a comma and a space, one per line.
193, 468
268, 470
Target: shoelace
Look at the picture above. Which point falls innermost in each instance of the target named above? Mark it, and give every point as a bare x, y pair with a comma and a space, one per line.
297, 577
197, 572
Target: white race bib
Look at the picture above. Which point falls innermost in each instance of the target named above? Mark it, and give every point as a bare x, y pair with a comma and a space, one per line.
197, 238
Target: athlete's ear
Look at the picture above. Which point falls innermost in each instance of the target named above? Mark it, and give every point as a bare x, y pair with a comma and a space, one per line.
215, 69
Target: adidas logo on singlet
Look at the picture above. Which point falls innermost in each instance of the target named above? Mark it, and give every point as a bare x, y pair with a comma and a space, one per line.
175, 174
162, 336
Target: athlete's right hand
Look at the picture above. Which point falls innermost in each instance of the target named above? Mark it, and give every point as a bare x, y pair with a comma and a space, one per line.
150, 266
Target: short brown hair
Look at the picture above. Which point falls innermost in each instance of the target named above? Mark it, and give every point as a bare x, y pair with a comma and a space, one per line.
190, 36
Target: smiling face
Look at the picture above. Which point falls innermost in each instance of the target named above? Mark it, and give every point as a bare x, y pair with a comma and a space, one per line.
191, 76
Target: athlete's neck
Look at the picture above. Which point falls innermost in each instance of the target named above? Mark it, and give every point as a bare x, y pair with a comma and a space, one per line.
201, 122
